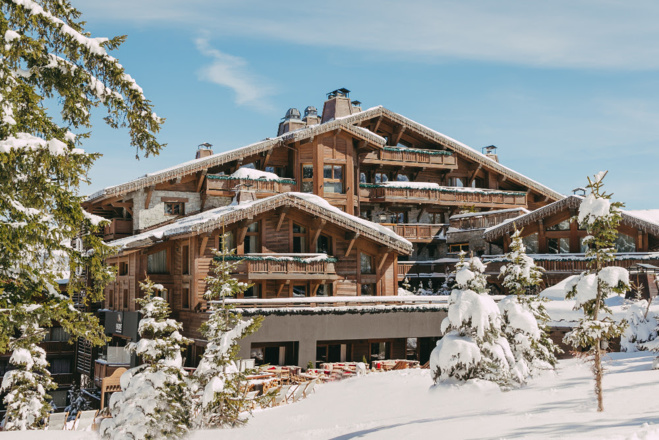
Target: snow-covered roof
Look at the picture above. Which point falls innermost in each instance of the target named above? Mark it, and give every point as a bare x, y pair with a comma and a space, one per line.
314, 205
494, 212
346, 123
642, 221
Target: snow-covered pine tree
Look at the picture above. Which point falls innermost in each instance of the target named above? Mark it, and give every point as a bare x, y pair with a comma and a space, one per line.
220, 384
77, 401
600, 217
473, 346
27, 384
155, 397
525, 318
46, 54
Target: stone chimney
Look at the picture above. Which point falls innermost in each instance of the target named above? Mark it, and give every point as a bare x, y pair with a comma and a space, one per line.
290, 122
204, 150
491, 152
356, 106
337, 105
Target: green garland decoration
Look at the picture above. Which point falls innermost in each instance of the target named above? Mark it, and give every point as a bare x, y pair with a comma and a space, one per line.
268, 258
445, 189
341, 310
415, 150
214, 177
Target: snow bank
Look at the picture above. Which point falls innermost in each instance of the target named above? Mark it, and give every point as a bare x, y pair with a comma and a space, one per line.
250, 173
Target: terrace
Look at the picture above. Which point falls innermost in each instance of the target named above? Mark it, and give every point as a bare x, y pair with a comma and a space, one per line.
226, 185
397, 156
263, 266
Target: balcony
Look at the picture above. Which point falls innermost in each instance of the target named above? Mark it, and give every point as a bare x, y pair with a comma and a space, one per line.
426, 269
103, 369
225, 186
62, 379
286, 267
57, 347
441, 195
411, 157
118, 228
417, 232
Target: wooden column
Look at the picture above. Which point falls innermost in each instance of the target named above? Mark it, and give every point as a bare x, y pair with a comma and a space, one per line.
542, 239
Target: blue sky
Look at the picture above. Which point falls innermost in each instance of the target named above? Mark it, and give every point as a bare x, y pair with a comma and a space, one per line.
563, 88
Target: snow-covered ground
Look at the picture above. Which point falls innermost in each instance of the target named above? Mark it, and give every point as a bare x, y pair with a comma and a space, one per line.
401, 404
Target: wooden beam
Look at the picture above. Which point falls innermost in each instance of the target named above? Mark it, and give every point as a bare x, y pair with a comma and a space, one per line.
281, 287
383, 258
282, 216
242, 231
202, 246
352, 237
318, 228
200, 179
266, 159
473, 175
398, 133
377, 125
421, 212
149, 193
314, 289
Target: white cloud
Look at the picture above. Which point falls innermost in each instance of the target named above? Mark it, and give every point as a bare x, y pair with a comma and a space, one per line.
233, 72
609, 34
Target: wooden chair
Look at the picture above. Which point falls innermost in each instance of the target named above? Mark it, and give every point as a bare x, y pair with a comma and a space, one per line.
85, 420
111, 384
310, 388
57, 421
282, 395
251, 397
298, 393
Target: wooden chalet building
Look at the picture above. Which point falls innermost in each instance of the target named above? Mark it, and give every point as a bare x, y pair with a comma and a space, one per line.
327, 218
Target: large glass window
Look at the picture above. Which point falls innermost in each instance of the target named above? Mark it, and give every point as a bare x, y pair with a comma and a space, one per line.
324, 244
157, 262
558, 245
381, 177
368, 289
333, 179
625, 243
380, 350
252, 239
562, 226
531, 244
307, 178
253, 292
299, 239
456, 181
366, 263
300, 290
324, 290
582, 246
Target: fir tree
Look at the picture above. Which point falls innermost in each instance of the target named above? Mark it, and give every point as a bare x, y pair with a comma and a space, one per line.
155, 397
27, 384
77, 401
473, 346
218, 380
525, 318
600, 217
46, 54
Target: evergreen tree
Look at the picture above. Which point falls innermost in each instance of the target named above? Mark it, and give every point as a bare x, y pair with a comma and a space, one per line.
77, 401
525, 318
221, 384
46, 54
155, 397
27, 384
600, 217
473, 345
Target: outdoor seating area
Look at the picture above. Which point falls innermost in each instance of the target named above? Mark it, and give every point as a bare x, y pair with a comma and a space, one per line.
83, 421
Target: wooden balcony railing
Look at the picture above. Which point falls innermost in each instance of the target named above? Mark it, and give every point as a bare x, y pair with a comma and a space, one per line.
286, 266
57, 346
443, 195
412, 157
118, 228
571, 263
417, 232
63, 378
425, 268
228, 184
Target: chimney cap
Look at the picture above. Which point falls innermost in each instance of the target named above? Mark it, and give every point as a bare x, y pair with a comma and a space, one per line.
205, 146
310, 111
292, 113
490, 149
356, 103
581, 190
339, 92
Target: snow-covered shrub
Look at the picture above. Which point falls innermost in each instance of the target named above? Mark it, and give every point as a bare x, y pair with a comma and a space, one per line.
641, 331
600, 217
525, 318
218, 383
473, 346
26, 386
77, 401
155, 398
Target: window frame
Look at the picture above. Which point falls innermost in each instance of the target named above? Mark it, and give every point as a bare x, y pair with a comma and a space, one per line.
303, 236
363, 254
306, 180
329, 181
257, 237
171, 205
460, 247
165, 271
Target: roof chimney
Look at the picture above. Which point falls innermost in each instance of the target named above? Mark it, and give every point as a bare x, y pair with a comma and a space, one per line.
204, 150
244, 194
337, 105
290, 122
491, 152
311, 116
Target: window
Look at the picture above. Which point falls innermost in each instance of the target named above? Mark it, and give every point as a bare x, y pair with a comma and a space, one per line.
123, 268
531, 243
458, 247
402, 178
558, 245
110, 299
362, 177
562, 226
324, 245
625, 243
185, 260
456, 181
333, 179
299, 239
432, 252
280, 171
381, 177
436, 218
583, 247
174, 208
368, 289
126, 299
252, 238
300, 290
478, 183
185, 298
60, 366
380, 350
253, 292
225, 242
307, 178
366, 263
157, 262
57, 334
324, 290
